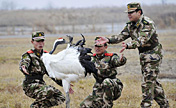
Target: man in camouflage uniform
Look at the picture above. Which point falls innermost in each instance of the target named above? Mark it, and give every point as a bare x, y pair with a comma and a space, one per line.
33, 68
107, 87
142, 31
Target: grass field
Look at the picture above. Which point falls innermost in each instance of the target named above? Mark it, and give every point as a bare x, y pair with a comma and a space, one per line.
12, 95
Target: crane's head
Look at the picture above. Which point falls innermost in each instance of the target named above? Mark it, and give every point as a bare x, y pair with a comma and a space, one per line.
59, 41
56, 43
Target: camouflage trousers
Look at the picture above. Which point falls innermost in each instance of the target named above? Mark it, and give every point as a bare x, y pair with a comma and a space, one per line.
46, 96
103, 94
151, 88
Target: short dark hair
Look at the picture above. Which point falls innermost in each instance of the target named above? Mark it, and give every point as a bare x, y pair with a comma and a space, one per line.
105, 44
139, 10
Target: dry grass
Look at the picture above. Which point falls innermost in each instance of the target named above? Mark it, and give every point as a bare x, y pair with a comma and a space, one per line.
12, 96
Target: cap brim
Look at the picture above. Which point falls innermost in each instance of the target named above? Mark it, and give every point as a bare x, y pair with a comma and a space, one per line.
129, 11
39, 38
98, 45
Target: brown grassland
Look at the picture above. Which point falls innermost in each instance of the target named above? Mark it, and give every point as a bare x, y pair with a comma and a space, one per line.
12, 95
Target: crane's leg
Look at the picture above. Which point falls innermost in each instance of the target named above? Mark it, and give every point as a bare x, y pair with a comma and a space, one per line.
67, 100
66, 87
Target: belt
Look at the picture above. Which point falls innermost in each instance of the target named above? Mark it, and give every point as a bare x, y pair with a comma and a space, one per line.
98, 80
39, 77
144, 49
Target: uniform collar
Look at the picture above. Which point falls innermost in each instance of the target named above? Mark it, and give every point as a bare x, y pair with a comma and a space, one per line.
39, 54
101, 56
139, 21
137, 24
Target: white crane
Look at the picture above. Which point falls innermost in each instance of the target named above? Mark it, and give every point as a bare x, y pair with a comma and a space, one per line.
69, 65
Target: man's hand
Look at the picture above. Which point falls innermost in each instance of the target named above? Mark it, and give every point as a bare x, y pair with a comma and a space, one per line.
102, 40
124, 46
121, 57
24, 69
71, 90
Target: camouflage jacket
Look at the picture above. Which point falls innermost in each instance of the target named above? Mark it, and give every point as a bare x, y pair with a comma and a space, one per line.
34, 66
106, 65
142, 33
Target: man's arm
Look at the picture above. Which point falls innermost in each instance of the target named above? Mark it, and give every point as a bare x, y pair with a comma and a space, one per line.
24, 63
114, 39
59, 82
117, 61
144, 36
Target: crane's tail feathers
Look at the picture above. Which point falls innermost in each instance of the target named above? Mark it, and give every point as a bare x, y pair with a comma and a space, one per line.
70, 38
89, 67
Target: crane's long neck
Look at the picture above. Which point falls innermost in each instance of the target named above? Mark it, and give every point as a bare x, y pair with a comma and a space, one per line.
54, 48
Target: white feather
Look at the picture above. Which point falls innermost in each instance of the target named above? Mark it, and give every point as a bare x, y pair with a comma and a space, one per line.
64, 65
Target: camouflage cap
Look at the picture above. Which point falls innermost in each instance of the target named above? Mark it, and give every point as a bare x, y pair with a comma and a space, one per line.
133, 6
96, 42
38, 35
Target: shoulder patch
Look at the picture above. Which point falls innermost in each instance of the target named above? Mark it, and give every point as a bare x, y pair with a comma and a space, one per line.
24, 56
109, 54
46, 51
30, 51
145, 22
94, 54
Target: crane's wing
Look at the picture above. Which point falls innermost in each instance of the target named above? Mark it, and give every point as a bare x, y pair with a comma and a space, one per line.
63, 64
69, 64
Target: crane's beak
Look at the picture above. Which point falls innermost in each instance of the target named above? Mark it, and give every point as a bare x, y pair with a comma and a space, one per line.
60, 41
56, 43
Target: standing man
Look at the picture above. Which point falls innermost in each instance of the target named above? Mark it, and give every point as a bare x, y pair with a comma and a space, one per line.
142, 31
107, 87
33, 68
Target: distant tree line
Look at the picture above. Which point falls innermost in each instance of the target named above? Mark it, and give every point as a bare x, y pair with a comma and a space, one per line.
7, 5
163, 15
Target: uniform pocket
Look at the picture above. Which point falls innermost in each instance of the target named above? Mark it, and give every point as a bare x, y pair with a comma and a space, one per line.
149, 58
117, 89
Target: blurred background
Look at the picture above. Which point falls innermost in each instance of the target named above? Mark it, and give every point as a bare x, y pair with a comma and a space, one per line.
21, 17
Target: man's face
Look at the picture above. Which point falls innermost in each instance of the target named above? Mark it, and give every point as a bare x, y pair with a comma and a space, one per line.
38, 45
134, 16
100, 49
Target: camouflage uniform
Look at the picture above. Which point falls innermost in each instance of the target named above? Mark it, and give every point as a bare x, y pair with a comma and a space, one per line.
144, 37
107, 87
34, 85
